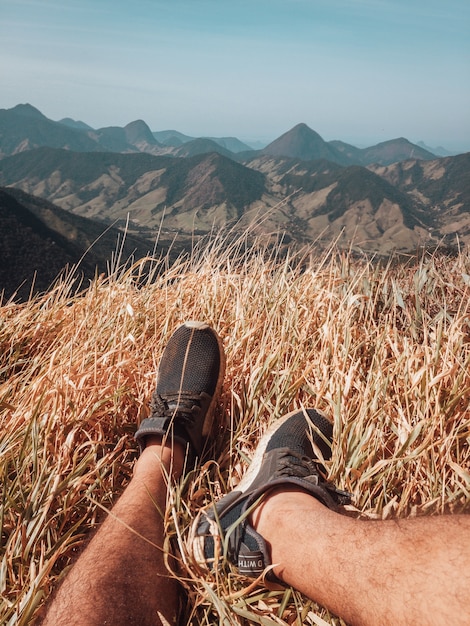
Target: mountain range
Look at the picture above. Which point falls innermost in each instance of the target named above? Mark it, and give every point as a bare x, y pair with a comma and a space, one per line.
395, 196
24, 127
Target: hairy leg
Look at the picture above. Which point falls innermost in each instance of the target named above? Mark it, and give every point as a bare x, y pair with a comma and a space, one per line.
411, 571
121, 577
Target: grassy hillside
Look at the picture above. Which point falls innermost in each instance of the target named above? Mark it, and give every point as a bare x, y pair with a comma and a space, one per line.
38, 240
384, 351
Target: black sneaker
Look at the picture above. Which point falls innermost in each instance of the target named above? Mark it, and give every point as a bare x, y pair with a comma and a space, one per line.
189, 377
285, 457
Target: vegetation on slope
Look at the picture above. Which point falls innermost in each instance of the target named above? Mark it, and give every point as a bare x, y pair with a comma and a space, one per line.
82, 167
384, 351
38, 240
211, 179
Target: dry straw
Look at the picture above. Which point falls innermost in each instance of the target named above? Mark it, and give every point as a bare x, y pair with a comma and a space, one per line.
383, 349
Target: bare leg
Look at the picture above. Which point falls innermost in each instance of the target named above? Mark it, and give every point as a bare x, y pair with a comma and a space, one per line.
412, 571
121, 576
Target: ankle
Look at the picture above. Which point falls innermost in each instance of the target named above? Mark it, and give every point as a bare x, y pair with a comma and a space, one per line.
276, 519
278, 504
159, 457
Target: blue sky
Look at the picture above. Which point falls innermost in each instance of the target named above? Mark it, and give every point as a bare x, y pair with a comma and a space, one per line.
362, 71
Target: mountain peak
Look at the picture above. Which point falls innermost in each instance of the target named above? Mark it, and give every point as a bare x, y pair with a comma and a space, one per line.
27, 110
76, 124
138, 131
301, 142
302, 126
201, 146
394, 150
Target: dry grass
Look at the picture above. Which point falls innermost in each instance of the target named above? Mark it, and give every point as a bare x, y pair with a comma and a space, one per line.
383, 350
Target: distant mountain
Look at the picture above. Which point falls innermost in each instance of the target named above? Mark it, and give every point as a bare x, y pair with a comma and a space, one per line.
27, 110
443, 188
439, 151
177, 139
393, 151
68, 121
301, 142
38, 240
443, 183
351, 205
392, 196
383, 208
383, 153
108, 186
256, 145
353, 154
201, 146
232, 144
139, 133
76, 179
112, 139
356, 185
206, 181
136, 136
24, 128
171, 137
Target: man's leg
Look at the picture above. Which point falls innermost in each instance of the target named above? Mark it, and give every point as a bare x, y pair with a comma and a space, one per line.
284, 513
410, 571
121, 577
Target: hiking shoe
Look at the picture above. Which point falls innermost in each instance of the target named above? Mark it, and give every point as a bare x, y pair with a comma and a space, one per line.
287, 456
189, 377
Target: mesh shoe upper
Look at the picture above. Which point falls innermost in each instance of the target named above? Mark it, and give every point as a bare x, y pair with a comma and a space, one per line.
189, 377
286, 456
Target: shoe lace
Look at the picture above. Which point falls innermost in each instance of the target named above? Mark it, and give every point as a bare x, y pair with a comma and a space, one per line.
290, 463
182, 406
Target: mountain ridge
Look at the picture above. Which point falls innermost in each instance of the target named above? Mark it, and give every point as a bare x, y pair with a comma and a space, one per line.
77, 124
322, 191
394, 207
201, 146
24, 127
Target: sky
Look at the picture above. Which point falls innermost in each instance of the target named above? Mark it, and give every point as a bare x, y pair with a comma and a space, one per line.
362, 71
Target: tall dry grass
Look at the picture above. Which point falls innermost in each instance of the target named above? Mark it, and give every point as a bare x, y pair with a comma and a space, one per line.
384, 350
